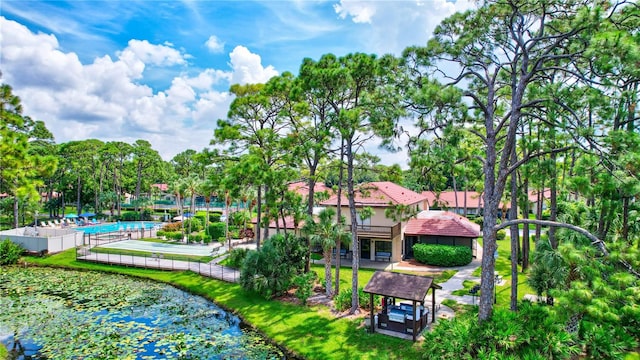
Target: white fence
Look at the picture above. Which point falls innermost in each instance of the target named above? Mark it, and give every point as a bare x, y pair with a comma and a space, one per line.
44, 239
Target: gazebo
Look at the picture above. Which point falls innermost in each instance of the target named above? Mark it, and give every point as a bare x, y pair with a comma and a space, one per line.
404, 317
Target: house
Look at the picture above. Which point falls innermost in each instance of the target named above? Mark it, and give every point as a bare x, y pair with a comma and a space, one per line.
441, 228
380, 237
289, 225
457, 201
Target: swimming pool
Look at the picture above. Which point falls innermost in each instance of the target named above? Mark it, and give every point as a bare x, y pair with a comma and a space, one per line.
118, 226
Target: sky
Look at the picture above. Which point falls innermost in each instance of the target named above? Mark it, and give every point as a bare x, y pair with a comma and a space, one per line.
160, 70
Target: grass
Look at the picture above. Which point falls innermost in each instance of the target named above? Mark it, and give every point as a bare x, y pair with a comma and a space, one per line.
364, 275
179, 257
311, 333
467, 285
503, 267
4, 353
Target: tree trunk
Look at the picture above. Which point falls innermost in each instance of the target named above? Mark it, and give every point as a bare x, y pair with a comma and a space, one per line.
327, 271
339, 216
513, 214
553, 208
355, 258
259, 215
526, 245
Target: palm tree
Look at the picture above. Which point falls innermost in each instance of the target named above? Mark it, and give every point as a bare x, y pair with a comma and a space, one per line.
191, 185
326, 233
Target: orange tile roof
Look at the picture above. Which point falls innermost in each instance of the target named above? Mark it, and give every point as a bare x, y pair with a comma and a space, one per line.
447, 199
442, 223
380, 193
302, 187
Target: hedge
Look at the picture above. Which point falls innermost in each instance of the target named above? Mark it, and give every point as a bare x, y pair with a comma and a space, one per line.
442, 255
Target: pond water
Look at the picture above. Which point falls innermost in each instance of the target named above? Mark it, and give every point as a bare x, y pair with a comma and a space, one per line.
60, 314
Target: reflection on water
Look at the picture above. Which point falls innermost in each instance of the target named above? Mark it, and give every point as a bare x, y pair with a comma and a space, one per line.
58, 314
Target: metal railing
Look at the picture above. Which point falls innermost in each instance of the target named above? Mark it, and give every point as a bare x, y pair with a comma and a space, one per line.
161, 262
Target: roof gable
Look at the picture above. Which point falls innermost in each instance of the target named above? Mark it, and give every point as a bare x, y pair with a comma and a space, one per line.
402, 286
442, 223
381, 194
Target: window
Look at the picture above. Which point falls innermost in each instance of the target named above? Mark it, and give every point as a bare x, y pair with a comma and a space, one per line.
384, 246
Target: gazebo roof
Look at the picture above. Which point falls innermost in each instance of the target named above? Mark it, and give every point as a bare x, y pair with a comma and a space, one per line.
402, 286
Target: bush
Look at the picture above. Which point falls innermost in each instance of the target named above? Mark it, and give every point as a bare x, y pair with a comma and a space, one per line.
501, 234
9, 252
195, 223
236, 257
216, 230
304, 284
442, 255
195, 238
343, 300
172, 227
246, 233
270, 271
214, 218
531, 333
478, 220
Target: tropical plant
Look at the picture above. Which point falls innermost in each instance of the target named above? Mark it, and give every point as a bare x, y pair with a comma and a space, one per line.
10, 252
326, 233
270, 270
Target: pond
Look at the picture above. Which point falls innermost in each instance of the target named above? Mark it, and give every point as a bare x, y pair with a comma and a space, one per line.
61, 314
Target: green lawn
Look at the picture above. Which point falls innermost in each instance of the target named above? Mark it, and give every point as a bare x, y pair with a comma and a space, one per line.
312, 333
503, 267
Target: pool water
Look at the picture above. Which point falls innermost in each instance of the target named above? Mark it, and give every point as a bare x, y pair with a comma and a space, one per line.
118, 226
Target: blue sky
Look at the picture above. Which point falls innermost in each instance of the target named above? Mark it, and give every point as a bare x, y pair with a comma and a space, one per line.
160, 70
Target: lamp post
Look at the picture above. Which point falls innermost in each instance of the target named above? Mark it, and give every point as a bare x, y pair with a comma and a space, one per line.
35, 223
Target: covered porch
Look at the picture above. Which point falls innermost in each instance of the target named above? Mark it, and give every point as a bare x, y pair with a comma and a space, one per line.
405, 317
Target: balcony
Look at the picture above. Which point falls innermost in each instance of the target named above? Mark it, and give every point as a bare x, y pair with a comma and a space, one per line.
377, 232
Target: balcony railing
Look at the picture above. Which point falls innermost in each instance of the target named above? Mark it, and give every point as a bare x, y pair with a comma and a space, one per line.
381, 232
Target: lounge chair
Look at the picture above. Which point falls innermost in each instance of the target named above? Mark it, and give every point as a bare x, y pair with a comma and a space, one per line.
56, 222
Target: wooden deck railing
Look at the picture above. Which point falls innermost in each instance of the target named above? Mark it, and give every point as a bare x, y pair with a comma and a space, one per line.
383, 232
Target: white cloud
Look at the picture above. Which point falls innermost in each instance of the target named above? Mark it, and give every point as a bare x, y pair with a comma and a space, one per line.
247, 67
394, 25
107, 98
359, 11
214, 45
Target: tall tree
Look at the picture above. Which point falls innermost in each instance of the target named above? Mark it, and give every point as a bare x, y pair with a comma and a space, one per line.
501, 49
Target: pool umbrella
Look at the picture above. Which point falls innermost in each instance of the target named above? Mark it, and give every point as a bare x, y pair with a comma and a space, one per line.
87, 214
71, 216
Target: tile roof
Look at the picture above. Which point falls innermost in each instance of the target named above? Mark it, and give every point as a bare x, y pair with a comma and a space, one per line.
533, 194
302, 187
162, 187
380, 193
447, 199
442, 223
402, 286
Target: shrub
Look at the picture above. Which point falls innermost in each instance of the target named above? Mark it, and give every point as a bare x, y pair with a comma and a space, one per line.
214, 218
236, 257
442, 255
501, 234
176, 226
173, 235
271, 270
304, 284
246, 233
195, 238
531, 333
195, 223
343, 300
216, 230
478, 220
9, 252
206, 239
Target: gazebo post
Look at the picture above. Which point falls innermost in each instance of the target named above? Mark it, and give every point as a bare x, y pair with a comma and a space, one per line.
433, 304
413, 316
373, 325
